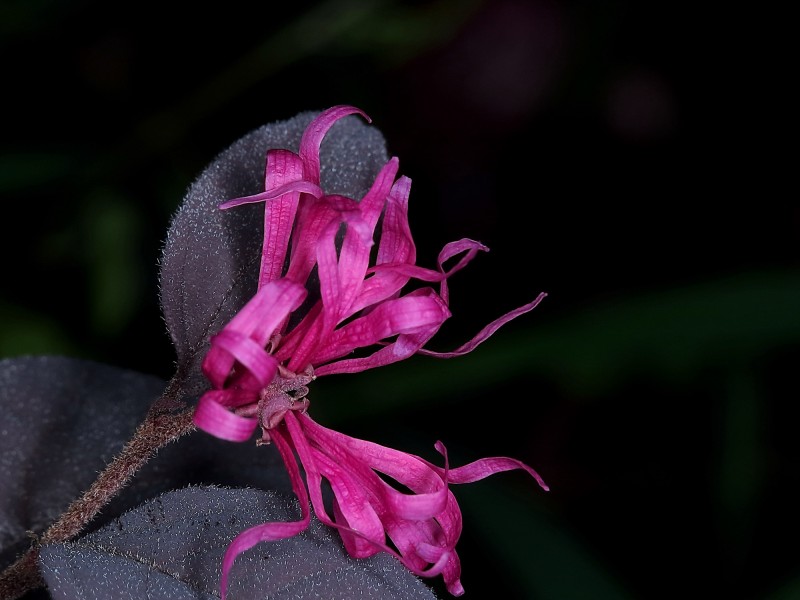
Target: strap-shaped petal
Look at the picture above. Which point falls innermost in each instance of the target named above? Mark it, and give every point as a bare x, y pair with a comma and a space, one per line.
396, 246
352, 507
362, 458
234, 397
404, 346
424, 526
410, 533
291, 341
313, 217
332, 291
487, 331
270, 531
354, 255
283, 167
484, 467
409, 314
299, 186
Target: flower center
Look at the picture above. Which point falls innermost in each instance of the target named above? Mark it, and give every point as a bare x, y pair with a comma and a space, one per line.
287, 392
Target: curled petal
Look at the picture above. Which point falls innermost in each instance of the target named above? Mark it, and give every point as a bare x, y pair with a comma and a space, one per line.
248, 353
424, 525
262, 314
471, 247
362, 458
396, 244
385, 275
213, 418
453, 249
316, 130
233, 397
257, 321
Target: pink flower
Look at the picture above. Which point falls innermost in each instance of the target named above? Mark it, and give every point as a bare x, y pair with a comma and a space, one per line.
262, 361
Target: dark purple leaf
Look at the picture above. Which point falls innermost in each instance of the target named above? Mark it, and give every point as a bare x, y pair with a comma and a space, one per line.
210, 261
65, 419
172, 547
62, 421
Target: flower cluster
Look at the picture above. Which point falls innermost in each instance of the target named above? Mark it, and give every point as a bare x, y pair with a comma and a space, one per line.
261, 362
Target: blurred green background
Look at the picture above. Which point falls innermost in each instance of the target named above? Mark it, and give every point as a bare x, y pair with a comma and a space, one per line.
614, 155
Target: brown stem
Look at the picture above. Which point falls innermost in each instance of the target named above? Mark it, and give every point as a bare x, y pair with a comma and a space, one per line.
161, 426
21, 576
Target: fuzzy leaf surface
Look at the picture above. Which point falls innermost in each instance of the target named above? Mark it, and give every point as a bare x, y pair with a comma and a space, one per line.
63, 421
172, 547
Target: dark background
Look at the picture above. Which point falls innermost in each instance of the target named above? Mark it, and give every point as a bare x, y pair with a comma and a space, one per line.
622, 156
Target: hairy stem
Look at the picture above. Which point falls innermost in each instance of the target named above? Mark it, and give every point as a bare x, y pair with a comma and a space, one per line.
167, 420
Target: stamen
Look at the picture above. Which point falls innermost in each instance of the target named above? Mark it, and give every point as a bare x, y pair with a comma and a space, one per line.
287, 392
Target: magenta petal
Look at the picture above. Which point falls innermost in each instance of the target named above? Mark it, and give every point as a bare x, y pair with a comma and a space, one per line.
362, 458
403, 347
373, 202
233, 397
282, 166
270, 531
333, 290
409, 314
304, 187
316, 130
352, 509
480, 469
313, 217
487, 331
313, 475
470, 247
354, 255
313, 220
455, 248
213, 418
422, 534
256, 321
396, 247
396, 243
249, 354
452, 249
301, 331
264, 312
407, 271
361, 495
